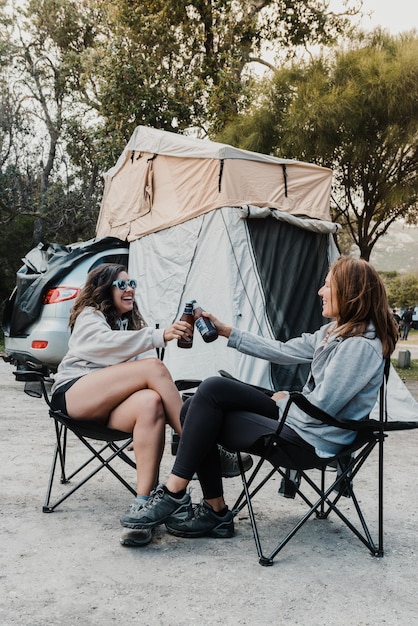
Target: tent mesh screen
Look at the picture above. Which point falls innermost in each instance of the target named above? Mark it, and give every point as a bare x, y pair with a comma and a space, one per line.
292, 264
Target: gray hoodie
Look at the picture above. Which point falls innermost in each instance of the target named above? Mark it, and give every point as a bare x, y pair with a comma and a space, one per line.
94, 345
344, 379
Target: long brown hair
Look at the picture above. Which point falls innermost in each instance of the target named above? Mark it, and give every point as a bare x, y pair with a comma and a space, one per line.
361, 299
97, 293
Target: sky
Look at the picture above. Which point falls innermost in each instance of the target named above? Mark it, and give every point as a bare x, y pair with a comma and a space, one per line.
394, 15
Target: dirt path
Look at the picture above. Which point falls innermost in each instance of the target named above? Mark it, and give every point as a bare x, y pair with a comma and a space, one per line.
67, 568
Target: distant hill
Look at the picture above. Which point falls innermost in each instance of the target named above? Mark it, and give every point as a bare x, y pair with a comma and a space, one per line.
397, 250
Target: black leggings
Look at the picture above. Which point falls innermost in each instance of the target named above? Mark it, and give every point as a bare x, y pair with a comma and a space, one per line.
238, 417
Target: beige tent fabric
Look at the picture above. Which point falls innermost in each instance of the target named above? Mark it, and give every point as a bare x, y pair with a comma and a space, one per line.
149, 191
126, 199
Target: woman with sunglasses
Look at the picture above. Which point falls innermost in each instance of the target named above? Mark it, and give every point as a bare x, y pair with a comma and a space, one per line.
102, 378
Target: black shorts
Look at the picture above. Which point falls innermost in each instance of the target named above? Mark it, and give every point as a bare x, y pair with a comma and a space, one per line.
58, 402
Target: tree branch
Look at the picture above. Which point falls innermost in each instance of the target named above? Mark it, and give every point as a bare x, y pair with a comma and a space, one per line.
263, 62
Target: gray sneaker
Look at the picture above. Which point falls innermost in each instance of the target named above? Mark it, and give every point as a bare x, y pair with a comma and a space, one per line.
204, 523
136, 538
161, 507
229, 462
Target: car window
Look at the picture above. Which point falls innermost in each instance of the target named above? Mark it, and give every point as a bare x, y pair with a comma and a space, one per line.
121, 259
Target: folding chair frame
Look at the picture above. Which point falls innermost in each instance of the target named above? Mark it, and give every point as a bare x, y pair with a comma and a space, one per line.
322, 507
59, 463
370, 434
83, 430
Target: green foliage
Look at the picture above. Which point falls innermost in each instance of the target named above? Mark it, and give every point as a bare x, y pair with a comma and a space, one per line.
355, 111
402, 289
76, 77
174, 64
14, 240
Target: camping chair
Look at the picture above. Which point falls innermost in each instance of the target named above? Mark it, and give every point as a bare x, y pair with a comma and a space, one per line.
327, 492
114, 444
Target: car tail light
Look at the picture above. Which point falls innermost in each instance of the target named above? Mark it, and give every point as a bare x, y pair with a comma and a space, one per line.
39, 345
60, 294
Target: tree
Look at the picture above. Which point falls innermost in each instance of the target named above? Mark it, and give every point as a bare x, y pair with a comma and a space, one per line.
47, 161
176, 63
402, 289
356, 112
76, 77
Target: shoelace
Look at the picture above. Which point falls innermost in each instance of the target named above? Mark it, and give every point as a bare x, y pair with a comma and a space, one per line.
136, 505
199, 511
226, 453
155, 496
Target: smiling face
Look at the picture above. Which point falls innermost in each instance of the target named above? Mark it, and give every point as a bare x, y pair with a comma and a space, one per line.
329, 298
123, 300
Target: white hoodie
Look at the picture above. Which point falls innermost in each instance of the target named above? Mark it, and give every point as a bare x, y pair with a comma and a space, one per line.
94, 345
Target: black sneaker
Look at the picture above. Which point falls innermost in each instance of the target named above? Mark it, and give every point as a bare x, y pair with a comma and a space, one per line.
229, 462
289, 485
204, 523
159, 508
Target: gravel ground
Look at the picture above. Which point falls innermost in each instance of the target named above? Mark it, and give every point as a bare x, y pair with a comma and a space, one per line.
68, 568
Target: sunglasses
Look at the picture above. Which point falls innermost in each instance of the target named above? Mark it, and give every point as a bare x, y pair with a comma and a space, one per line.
124, 284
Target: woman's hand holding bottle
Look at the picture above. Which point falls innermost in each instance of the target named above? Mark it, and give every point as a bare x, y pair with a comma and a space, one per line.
224, 330
178, 330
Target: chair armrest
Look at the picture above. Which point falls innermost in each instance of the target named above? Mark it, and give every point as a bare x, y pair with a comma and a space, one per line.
184, 384
307, 407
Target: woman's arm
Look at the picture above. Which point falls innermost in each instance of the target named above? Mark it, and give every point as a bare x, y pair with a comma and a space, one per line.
93, 340
345, 379
298, 350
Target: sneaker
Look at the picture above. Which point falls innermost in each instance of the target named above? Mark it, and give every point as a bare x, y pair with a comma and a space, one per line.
204, 523
159, 508
289, 485
140, 537
229, 462
136, 538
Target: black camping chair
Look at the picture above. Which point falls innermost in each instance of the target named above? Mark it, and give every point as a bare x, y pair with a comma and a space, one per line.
328, 487
114, 445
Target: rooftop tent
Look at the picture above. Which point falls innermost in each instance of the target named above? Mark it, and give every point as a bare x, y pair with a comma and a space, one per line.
247, 235
162, 179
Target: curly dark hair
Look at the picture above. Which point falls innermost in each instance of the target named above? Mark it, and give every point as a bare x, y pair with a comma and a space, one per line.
97, 293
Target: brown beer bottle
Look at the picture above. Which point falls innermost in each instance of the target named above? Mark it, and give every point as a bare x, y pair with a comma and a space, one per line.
187, 340
204, 325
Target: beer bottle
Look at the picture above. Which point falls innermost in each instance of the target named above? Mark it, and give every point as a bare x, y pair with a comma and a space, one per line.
187, 340
204, 325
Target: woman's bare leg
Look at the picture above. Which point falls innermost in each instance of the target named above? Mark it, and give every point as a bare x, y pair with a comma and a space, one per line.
97, 394
143, 415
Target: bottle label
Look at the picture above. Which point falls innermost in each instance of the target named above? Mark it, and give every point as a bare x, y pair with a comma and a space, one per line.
202, 326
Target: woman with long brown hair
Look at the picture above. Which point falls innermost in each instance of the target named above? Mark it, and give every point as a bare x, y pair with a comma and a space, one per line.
347, 358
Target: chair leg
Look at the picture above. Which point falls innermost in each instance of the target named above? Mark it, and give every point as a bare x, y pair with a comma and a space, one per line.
60, 453
380, 550
265, 561
324, 504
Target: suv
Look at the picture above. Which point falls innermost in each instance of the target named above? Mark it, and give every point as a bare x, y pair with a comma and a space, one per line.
35, 319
